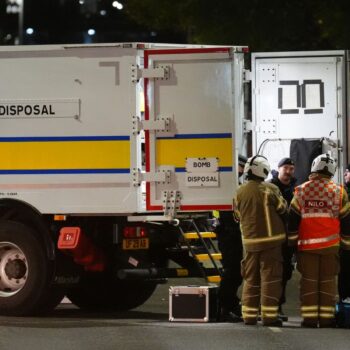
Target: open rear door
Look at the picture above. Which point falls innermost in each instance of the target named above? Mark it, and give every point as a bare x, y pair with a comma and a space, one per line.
298, 95
191, 128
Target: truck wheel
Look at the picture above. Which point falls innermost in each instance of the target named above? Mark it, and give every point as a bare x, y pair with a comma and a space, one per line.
99, 293
25, 272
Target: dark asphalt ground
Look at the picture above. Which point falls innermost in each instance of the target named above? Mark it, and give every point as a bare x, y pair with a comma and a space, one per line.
147, 327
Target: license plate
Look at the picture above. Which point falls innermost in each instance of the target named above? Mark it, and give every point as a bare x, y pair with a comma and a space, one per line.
136, 243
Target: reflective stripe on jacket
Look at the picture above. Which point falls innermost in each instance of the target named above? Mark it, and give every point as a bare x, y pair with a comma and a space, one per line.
319, 202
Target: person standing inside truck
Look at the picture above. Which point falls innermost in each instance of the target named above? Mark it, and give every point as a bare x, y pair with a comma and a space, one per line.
262, 211
284, 179
230, 245
319, 218
344, 253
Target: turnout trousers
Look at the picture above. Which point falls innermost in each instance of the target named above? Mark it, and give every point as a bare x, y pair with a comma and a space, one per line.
318, 287
262, 286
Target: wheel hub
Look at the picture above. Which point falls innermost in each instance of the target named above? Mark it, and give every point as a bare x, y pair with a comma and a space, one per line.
13, 269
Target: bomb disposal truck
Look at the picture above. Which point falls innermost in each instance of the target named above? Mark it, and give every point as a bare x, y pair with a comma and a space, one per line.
105, 149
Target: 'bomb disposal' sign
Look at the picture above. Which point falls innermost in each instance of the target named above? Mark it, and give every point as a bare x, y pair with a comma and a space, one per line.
60, 108
202, 172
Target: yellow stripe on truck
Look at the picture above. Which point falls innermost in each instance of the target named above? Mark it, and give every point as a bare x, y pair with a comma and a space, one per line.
65, 155
175, 151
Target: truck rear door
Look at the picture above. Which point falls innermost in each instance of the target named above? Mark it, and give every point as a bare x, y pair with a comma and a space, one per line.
298, 95
195, 148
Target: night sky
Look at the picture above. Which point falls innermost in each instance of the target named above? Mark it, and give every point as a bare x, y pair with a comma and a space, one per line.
74, 21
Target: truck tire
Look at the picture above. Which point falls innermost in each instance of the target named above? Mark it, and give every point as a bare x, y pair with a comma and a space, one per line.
25, 272
98, 293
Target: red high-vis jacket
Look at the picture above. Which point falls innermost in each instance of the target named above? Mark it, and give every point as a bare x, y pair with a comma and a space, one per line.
316, 212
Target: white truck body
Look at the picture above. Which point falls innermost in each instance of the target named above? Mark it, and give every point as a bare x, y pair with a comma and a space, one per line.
72, 125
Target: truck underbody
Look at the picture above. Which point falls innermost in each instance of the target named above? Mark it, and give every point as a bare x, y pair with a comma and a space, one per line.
98, 262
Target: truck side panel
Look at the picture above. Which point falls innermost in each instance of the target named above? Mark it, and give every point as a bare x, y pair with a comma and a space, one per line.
65, 126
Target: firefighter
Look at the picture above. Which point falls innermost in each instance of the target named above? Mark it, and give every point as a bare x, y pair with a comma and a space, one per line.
344, 275
319, 212
230, 245
261, 209
284, 179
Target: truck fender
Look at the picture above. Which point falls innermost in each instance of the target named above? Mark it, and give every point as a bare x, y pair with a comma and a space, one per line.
20, 211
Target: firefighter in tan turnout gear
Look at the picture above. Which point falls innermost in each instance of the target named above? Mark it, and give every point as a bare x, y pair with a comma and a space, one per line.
261, 207
319, 213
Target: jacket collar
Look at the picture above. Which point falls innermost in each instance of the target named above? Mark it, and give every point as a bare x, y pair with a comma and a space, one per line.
318, 176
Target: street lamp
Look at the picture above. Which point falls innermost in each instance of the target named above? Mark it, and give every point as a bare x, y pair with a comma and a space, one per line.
117, 5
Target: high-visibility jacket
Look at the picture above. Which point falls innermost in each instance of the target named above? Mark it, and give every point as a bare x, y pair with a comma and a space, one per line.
319, 203
261, 209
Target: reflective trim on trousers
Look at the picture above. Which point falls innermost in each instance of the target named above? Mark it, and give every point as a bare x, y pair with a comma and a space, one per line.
309, 314
327, 312
249, 315
249, 308
269, 311
326, 315
327, 308
309, 308
269, 308
249, 312
269, 314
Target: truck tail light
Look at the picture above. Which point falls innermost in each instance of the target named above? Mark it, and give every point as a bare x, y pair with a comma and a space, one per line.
135, 232
72, 241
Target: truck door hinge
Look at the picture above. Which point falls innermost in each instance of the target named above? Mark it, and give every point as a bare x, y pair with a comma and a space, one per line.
161, 124
158, 73
247, 76
160, 177
247, 126
171, 202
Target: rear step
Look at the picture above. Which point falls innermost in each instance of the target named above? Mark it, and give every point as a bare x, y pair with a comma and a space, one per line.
154, 273
208, 251
214, 279
194, 235
206, 257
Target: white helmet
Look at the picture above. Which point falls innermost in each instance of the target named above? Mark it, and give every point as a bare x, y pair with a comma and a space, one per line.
324, 164
258, 166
